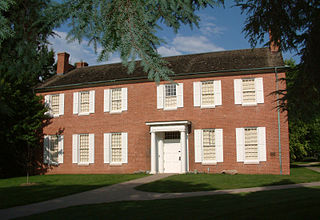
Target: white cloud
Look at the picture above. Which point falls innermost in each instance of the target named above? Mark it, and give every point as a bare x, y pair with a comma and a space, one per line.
208, 27
78, 52
168, 51
194, 44
178, 46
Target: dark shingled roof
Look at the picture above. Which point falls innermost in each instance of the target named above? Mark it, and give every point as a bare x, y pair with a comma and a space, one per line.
185, 64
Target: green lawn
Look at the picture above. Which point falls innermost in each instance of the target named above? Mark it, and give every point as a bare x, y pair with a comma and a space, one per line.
53, 186
302, 203
205, 182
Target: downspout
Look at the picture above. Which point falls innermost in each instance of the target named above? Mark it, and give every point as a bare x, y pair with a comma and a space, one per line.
278, 110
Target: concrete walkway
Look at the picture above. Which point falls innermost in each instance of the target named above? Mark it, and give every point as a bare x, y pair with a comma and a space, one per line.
125, 192
311, 166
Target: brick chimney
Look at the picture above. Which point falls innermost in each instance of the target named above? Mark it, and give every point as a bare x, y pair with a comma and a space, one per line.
81, 64
274, 47
63, 65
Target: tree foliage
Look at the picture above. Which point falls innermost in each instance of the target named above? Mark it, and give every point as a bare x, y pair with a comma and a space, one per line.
295, 26
24, 60
304, 132
129, 27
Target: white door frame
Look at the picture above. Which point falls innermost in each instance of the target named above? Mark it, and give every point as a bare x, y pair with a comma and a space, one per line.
157, 130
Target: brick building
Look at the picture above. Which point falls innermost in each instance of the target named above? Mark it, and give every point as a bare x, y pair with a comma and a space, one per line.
221, 114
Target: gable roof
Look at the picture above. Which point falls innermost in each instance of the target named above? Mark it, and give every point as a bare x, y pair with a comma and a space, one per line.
233, 60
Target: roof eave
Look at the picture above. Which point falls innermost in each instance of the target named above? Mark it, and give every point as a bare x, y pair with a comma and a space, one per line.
176, 76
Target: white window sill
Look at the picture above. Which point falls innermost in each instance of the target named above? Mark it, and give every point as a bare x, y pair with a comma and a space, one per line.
83, 164
115, 164
84, 113
207, 106
115, 112
251, 162
249, 104
209, 163
170, 109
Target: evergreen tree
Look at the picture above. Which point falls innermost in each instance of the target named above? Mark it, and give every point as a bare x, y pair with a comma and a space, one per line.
129, 27
25, 59
295, 26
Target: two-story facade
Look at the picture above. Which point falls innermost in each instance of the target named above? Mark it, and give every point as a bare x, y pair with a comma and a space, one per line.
220, 114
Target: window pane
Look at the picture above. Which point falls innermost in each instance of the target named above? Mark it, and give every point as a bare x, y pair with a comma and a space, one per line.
171, 135
209, 150
84, 102
55, 104
84, 148
170, 96
207, 91
53, 148
116, 147
251, 144
248, 90
116, 99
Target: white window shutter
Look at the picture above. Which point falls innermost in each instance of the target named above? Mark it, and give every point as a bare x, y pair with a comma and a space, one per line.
47, 102
60, 148
219, 144
106, 147
106, 104
75, 103
198, 145
262, 144
75, 146
180, 95
61, 104
217, 92
196, 93
238, 91
160, 94
46, 143
124, 145
124, 103
91, 101
91, 148
240, 144
259, 90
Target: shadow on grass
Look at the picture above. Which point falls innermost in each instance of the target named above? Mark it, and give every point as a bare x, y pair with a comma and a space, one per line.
21, 195
302, 203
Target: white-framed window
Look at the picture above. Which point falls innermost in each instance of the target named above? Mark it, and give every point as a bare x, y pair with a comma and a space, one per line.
116, 148
83, 149
170, 96
55, 104
53, 149
116, 100
248, 91
208, 145
83, 102
251, 144
207, 94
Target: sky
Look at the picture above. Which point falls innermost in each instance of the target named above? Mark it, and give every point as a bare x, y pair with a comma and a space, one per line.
219, 29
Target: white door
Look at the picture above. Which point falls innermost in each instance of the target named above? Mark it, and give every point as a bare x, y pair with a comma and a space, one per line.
172, 156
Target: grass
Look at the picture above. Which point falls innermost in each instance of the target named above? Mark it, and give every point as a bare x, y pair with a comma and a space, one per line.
205, 182
302, 203
53, 186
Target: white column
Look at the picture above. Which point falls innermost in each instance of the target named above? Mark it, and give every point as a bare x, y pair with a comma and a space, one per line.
183, 152
160, 151
153, 153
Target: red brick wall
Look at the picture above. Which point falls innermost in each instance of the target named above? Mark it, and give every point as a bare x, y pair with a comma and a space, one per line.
142, 108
